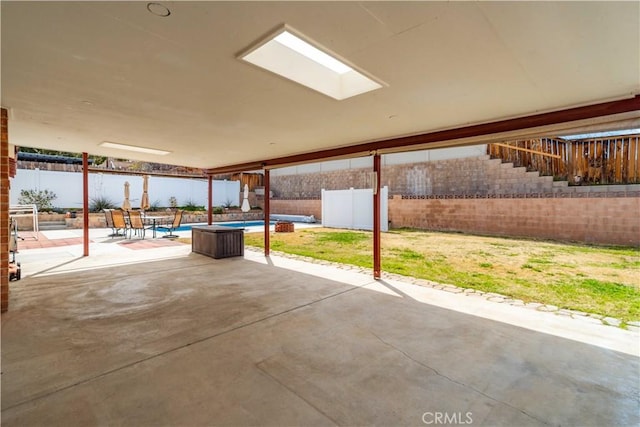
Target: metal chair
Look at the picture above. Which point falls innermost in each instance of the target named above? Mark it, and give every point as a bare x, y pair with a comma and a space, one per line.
170, 228
136, 223
119, 223
109, 219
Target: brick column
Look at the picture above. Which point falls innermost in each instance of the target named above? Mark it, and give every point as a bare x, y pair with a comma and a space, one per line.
4, 210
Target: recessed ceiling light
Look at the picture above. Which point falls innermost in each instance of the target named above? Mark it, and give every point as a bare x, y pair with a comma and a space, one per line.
289, 54
117, 146
158, 9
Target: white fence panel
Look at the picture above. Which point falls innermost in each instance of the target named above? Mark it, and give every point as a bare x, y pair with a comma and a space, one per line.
68, 188
353, 209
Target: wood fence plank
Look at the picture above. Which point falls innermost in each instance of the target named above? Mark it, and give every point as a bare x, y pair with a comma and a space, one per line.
633, 160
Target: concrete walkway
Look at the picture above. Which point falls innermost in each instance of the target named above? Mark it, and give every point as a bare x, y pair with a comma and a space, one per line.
165, 337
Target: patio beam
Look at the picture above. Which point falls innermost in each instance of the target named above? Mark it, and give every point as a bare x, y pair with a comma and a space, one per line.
85, 204
424, 140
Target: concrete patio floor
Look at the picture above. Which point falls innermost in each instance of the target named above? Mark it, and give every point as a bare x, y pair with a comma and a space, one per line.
166, 337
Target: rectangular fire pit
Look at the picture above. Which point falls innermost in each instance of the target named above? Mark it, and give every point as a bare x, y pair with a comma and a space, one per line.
284, 227
217, 241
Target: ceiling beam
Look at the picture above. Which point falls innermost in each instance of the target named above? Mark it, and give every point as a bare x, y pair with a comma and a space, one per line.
508, 125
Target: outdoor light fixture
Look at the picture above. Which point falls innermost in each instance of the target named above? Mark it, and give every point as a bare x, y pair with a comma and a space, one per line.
158, 9
289, 54
117, 146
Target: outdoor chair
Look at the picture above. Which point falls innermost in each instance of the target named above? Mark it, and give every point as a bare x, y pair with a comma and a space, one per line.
119, 223
136, 223
171, 227
109, 219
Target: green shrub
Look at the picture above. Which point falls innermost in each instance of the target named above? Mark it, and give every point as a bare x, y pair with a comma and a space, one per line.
218, 210
154, 206
100, 203
190, 206
41, 198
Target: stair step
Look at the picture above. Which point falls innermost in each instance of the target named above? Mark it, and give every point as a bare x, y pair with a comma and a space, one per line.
560, 183
52, 225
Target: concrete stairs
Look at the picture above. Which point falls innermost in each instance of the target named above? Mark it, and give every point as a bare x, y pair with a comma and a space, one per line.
52, 225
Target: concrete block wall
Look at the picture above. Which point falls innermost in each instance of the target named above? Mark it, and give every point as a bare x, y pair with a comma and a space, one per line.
465, 176
309, 186
477, 175
597, 220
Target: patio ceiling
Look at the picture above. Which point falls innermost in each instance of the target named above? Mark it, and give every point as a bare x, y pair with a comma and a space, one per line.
75, 74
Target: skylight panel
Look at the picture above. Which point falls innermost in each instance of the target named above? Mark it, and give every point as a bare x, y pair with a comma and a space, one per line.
289, 55
127, 147
311, 52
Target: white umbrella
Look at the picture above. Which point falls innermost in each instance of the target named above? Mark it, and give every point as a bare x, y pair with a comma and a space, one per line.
126, 205
144, 202
245, 203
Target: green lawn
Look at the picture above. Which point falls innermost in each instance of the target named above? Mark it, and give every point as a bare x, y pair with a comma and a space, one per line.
602, 280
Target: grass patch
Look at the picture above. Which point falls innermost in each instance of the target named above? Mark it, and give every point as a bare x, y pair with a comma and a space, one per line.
602, 280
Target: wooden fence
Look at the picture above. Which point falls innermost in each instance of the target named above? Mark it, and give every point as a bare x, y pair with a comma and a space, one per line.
253, 180
613, 160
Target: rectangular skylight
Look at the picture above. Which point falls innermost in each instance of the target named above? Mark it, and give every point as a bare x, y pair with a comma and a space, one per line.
108, 144
287, 54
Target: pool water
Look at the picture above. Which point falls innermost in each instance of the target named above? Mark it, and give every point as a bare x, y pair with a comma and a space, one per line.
238, 224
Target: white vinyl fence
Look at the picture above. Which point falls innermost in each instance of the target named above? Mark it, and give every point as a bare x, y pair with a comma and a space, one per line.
68, 188
353, 209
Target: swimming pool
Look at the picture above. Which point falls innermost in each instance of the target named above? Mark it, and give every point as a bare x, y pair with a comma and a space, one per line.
235, 224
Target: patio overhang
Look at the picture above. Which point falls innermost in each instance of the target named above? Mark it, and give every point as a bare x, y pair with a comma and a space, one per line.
537, 124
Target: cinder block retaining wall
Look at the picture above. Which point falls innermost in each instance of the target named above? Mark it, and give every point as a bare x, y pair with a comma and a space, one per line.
606, 220
478, 175
599, 220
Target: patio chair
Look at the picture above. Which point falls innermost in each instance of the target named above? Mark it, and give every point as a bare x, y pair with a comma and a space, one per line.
136, 223
119, 223
109, 219
170, 228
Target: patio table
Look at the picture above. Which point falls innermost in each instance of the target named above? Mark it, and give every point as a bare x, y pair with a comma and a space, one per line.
154, 221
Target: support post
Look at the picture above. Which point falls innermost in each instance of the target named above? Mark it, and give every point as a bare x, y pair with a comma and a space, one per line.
210, 202
376, 217
4, 210
85, 204
267, 212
